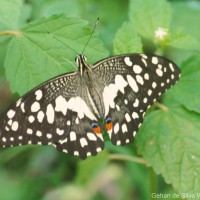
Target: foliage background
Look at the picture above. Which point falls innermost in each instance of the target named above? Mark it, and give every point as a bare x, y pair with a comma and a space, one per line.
165, 157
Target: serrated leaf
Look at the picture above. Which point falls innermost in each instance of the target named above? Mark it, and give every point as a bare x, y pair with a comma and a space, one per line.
149, 15
39, 51
170, 142
186, 91
127, 40
10, 14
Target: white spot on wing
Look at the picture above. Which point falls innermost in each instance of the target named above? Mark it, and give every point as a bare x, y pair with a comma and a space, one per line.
144, 61
83, 142
29, 131
72, 136
59, 131
15, 126
155, 60
31, 118
120, 83
61, 105
18, 102
11, 114
171, 67
91, 136
98, 149
128, 118
136, 103
63, 141
49, 136
149, 92
154, 85
146, 76
144, 56
116, 128
38, 94
78, 105
109, 94
35, 106
22, 107
20, 137
134, 133
135, 115
128, 61
77, 120
9, 122
145, 100
39, 133
137, 69
159, 72
40, 116
140, 79
132, 83
124, 128
50, 114
76, 153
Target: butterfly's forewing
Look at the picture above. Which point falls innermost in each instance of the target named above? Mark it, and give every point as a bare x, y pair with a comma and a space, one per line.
54, 114
131, 84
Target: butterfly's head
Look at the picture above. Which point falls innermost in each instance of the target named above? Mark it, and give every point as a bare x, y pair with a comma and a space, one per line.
81, 62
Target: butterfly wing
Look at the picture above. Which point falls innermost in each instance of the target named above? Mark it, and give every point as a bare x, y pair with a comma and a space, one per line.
131, 83
54, 113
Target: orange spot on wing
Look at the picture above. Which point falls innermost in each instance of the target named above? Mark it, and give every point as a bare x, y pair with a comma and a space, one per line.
109, 126
97, 129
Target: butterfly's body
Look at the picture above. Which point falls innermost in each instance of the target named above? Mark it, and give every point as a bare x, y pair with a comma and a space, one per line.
66, 111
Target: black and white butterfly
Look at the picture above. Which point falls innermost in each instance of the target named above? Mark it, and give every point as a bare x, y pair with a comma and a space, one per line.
66, 111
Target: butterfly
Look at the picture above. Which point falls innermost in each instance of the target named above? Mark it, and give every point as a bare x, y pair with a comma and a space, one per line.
66, 111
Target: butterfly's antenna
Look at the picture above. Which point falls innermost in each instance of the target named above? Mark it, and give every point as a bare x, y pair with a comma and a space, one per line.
90, 35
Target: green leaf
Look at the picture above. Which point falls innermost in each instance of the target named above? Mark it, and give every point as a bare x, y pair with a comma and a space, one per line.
127, 40
48, 8
89, 168
186, 15
186, 91
170, 142
149, 15
39, 51
183, 41
10, 14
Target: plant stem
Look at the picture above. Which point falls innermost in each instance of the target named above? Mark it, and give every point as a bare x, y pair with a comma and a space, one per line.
127, 158
16, 33
161, 106
152, 182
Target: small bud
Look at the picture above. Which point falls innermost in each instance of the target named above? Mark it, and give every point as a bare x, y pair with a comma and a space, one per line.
161, 34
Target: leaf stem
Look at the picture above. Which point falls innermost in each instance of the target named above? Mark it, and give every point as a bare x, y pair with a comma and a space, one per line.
128, 158
152, 180
161, 106
16, 33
